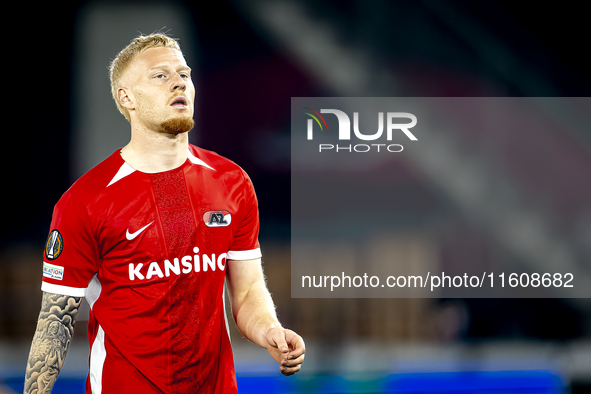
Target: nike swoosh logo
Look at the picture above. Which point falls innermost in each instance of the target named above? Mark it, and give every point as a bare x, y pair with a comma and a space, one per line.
131, 236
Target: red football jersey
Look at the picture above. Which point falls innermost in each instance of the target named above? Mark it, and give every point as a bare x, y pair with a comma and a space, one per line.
149, 253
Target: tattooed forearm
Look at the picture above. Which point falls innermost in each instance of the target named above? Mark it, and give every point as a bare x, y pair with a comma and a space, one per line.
55, 329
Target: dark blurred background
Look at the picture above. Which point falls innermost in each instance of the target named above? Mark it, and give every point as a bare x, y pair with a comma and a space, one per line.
249, 58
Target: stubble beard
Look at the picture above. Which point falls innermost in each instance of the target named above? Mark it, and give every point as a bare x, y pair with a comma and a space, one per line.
177, 125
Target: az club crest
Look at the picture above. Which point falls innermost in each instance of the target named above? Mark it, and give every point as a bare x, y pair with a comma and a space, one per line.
217, 218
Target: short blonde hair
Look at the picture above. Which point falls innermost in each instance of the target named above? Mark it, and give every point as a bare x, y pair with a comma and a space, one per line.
124, 58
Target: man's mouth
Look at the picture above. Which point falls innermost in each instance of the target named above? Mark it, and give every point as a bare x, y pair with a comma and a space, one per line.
179, 102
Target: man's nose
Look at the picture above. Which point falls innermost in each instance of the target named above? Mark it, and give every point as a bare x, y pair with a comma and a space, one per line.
178, 83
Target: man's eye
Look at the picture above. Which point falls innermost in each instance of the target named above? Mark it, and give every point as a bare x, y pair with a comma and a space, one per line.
160, 76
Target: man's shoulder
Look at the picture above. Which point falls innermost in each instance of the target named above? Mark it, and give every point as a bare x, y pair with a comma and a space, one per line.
95, 180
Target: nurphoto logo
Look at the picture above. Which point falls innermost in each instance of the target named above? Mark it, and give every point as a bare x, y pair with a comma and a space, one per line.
393, 125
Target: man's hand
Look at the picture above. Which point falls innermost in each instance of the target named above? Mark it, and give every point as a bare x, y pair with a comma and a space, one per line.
287, 348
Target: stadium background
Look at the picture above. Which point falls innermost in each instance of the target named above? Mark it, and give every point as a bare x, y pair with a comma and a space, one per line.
249, 59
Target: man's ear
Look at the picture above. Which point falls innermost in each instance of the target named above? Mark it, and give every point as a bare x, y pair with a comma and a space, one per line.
125, 97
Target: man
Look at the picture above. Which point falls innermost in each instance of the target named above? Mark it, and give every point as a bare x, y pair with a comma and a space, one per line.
149, 236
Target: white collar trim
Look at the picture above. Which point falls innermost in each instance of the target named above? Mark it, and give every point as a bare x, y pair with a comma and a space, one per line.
198, 161
124, 171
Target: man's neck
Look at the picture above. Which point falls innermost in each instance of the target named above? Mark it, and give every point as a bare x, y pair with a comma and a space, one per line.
153, 152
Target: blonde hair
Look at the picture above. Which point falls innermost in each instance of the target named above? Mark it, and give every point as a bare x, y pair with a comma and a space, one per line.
124, 58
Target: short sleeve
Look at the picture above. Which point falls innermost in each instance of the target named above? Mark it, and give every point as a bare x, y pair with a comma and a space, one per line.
245, 245
70, 258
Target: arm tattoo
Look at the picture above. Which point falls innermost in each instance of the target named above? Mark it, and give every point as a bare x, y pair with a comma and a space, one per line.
55, 329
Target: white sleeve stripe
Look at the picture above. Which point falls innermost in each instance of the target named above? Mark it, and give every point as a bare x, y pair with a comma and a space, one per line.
63, 290
244, 254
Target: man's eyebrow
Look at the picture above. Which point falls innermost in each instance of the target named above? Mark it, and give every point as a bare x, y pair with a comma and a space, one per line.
160, 66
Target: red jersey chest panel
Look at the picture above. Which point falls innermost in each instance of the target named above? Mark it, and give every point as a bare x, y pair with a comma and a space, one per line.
156, 227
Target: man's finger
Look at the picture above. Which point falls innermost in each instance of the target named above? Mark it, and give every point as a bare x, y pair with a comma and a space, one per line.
277, 339
296, 343
293, 362
290, 371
